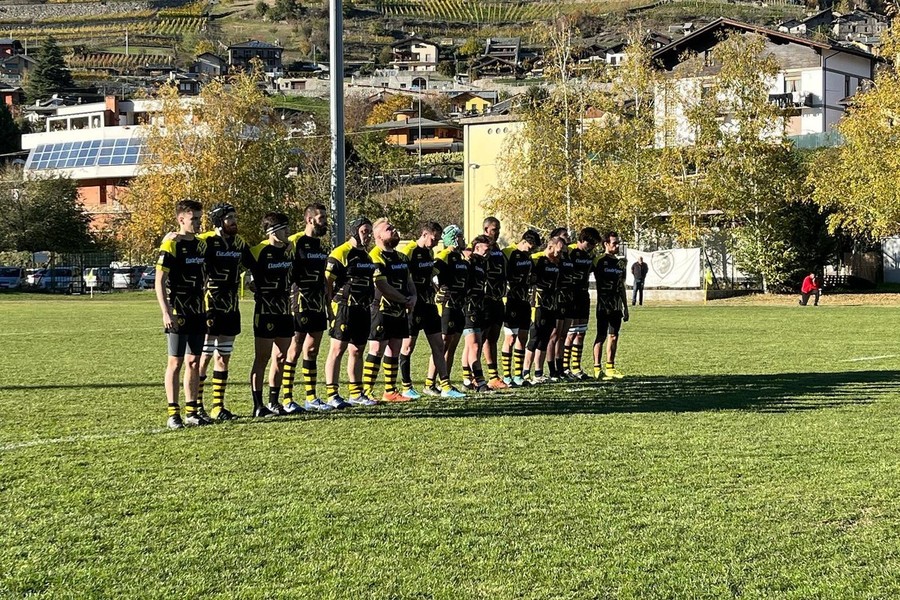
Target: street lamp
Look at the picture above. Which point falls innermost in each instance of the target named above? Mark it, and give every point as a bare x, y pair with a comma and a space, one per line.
474, 169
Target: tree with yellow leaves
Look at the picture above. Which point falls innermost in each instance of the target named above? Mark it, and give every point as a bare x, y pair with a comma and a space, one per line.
227, 145
857, 182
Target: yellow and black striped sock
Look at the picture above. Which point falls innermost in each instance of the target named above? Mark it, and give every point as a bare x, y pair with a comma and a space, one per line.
506, 363
391, 366
429, 382
518, 361
190, 408
355, 388
567, 358
445, 384
219, 382
492, 371
173, 410
200, 385
310, 374
287, 381
575, 363
331, 389
405, 372
370, 374
598, 370
610, 365
467, 372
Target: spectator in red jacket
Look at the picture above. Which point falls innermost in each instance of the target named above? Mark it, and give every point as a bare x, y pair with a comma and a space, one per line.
810, 287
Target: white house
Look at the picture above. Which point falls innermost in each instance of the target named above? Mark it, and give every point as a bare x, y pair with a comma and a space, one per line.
414, 54
814, 83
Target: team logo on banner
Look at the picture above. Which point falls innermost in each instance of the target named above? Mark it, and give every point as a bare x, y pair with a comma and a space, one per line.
662, 263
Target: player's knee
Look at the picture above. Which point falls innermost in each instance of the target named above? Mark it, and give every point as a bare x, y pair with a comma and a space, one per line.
175, 362
193, 362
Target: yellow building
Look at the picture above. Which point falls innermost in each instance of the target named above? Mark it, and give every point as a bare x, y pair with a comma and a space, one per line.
485, 140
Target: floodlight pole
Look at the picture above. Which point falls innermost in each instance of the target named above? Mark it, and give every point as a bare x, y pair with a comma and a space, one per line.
336, 76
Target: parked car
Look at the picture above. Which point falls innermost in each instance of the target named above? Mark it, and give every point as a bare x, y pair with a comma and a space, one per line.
103, 278
148, 279
60, 279
32, 276
123, 278
11, 277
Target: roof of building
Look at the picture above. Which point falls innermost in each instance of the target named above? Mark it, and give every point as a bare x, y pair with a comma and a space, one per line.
412, 123
256, 44
708, 36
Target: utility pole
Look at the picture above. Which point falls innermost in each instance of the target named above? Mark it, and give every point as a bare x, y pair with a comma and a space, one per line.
338, 160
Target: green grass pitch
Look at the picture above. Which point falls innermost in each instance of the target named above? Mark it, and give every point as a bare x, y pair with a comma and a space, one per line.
752, 451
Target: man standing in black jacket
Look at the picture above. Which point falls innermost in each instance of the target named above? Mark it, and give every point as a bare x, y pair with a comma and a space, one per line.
639, 271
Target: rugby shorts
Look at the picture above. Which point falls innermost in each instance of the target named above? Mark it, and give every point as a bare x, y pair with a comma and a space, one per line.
351, 324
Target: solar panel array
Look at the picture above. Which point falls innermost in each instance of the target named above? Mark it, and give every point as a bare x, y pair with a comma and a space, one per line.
93, 153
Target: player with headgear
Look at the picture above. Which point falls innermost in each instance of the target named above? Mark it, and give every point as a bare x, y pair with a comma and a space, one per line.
226, 257
349, 273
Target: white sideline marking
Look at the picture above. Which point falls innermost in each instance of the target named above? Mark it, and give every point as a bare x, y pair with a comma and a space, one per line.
862, 358
77, 438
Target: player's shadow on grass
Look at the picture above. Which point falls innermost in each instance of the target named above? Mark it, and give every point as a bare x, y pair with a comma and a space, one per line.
780, 392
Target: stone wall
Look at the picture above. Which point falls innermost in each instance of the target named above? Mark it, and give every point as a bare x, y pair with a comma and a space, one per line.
38, 12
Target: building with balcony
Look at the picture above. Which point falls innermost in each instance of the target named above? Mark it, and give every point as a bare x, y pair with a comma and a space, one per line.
241, 55
414, 54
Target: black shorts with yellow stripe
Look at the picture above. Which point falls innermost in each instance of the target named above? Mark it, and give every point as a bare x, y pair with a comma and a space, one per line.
475, 319
351, 324
493, 311
268, 326
453, 321
581, 306
310, 321
388, 327
424, 317
518, 314
223, 323
565, 307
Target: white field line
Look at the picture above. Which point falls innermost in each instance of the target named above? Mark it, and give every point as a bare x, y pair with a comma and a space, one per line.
864, 358
77, 438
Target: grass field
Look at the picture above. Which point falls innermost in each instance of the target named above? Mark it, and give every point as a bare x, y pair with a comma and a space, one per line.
752, 452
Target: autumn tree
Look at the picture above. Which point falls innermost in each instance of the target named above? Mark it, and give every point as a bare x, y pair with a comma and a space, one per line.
745, 167
225, 146
385, 111
857, 182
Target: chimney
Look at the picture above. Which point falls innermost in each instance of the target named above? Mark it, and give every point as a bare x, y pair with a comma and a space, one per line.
112, 111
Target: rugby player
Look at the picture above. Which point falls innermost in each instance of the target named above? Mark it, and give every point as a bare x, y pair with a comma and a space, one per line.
452, 275
395, 300
564, 296
545, 275
517, 315
612, 305
271, 263
581, 254
310, 307
179, 291
348, 280
475, 314
425, 316
226, 253
493, 309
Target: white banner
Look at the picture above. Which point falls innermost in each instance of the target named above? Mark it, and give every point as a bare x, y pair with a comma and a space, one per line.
668, 268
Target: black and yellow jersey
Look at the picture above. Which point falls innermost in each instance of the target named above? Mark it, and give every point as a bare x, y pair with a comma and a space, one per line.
518, 273
495, 262
476, 288
393, 267
609, 272
226, 257
271, 267
452, 272
583, 262
351, 271
566, 285
183, 260
309, 272
545, 275
421, 267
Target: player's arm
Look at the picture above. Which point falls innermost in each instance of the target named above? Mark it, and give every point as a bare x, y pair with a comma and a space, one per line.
413, 297
623, 296
165, 262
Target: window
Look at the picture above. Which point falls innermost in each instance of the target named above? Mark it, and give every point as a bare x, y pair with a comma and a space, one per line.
791, 84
